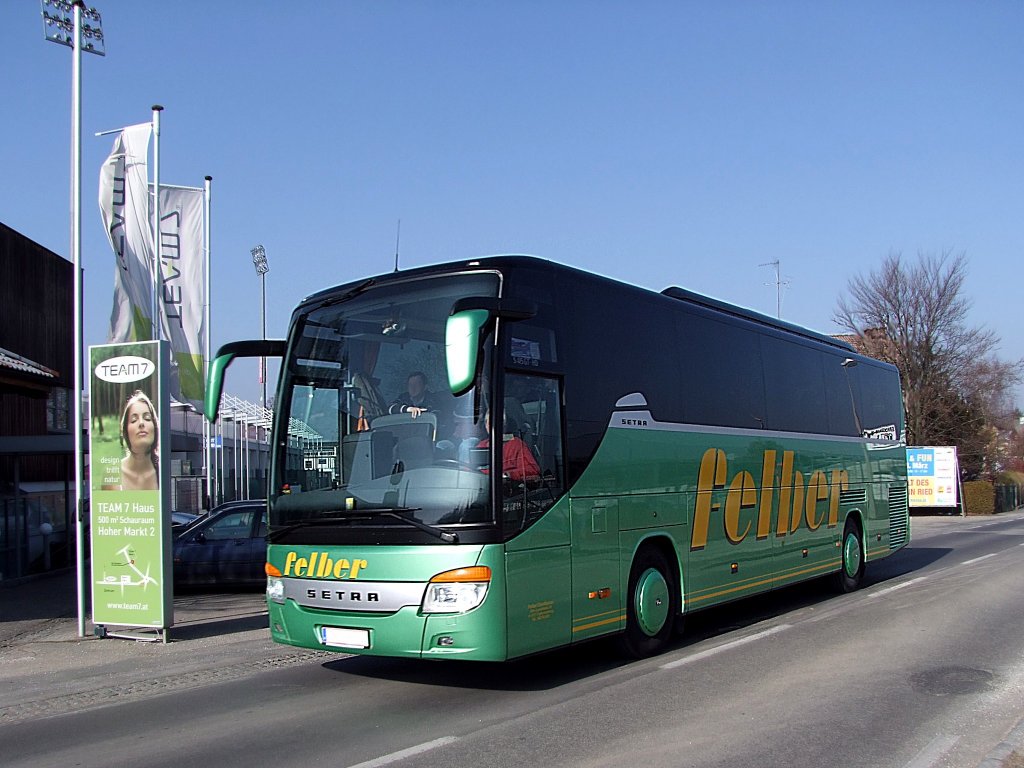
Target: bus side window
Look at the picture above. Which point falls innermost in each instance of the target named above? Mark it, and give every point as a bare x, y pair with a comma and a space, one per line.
533, 410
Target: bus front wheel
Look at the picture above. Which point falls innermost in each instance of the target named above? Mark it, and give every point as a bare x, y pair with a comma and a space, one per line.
851, 569
652, 605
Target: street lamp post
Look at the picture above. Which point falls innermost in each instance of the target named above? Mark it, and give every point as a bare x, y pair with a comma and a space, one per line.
79, 28
259, 260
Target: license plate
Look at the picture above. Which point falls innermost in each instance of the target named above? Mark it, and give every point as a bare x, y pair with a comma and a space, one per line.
341, 637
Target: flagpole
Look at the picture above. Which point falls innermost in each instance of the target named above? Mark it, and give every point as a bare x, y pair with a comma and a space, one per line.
208, 455
76, 258
157, 269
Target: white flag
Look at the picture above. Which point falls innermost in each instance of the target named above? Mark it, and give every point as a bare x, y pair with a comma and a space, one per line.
124, 206
183, 295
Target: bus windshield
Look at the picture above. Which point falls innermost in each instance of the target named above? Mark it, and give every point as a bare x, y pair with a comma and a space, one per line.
369, 432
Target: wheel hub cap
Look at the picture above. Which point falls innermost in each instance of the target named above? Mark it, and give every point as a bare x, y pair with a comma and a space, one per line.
652, 602
851, 555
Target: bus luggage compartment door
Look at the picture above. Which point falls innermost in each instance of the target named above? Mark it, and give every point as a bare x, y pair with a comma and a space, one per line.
597, 600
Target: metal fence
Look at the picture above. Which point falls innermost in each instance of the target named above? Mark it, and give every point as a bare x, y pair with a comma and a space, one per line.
1008, 497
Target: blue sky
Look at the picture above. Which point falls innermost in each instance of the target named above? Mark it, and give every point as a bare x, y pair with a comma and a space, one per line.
655, 142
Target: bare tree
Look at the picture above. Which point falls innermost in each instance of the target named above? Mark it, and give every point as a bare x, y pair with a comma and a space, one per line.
915, 315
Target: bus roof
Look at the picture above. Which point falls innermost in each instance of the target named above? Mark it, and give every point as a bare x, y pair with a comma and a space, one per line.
682, 294
516, 260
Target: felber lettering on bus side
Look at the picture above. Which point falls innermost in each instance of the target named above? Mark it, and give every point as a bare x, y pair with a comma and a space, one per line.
799, 501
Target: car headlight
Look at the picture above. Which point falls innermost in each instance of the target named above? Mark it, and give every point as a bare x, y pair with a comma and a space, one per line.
457, 591
275, 589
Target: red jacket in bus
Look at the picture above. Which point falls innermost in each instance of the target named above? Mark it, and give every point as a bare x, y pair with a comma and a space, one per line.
516, 459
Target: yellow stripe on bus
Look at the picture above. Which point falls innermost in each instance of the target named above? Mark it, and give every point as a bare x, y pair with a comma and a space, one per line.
613, 620
784, 575
755, 580
740, 582
617, 611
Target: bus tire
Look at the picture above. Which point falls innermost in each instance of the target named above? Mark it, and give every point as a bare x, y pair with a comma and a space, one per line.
652, 605
851, 567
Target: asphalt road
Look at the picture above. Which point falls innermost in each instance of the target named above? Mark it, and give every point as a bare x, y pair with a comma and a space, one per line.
922, 667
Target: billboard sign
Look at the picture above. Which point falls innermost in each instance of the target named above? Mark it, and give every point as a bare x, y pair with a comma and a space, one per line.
932, 476
129, 512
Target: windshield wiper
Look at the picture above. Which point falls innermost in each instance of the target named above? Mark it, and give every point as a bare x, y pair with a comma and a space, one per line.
273, 535
395, 512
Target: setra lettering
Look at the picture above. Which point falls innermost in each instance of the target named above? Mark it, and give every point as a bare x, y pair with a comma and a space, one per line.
340, 594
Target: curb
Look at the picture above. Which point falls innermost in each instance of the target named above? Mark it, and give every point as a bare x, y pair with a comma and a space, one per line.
1013, 742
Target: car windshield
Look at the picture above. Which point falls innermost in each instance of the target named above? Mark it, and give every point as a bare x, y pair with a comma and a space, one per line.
373, 433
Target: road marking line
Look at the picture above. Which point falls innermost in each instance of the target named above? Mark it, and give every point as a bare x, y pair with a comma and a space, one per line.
394, 757
887, 590
979, 559
933, 751
724, 647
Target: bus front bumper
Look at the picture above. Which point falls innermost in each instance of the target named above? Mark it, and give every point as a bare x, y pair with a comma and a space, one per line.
477, 635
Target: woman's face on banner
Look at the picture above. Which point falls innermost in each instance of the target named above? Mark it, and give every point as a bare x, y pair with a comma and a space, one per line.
140, 428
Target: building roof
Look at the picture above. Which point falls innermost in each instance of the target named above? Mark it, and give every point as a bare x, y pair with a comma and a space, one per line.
16, 362
873, 342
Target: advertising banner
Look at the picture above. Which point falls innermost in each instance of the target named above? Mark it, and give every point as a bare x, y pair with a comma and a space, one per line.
184, 289
124, 207
129, 513
932, 476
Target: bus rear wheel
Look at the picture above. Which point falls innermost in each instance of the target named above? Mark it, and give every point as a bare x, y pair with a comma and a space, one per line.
851, 569
652, 605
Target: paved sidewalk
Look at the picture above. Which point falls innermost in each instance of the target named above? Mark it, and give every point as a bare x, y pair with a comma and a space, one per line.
47, 608
33, 606
46, 669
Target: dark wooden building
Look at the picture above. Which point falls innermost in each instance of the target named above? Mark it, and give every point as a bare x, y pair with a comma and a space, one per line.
36, 416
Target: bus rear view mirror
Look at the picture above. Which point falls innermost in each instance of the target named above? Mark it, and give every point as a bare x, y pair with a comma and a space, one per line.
464, 334
462, 348
225, 355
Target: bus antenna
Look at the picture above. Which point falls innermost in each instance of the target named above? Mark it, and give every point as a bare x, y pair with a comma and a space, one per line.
398, 239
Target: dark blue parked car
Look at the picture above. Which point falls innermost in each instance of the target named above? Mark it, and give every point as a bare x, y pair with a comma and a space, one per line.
180, 521
228, 547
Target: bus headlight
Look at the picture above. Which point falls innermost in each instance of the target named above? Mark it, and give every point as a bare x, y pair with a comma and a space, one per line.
275, 584
457, 591
275, 589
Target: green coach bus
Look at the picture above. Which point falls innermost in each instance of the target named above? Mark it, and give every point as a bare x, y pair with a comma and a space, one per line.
487, 459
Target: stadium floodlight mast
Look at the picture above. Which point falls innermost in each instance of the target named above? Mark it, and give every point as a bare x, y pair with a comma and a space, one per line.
259, 260
70, 23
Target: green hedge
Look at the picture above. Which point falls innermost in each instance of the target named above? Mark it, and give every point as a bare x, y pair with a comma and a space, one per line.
980, 497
